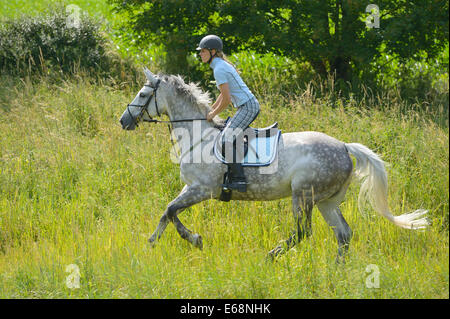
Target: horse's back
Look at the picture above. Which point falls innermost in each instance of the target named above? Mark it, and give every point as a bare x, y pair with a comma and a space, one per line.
310, 138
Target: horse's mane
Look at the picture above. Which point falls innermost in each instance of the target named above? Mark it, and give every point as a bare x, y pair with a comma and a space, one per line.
192, 92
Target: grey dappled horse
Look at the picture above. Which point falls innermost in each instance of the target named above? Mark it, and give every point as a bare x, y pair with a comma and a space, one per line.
311, 167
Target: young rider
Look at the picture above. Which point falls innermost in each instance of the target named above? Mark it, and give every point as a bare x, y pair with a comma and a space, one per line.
232, 90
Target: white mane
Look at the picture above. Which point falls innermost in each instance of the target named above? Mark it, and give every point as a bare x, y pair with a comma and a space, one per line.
190, 91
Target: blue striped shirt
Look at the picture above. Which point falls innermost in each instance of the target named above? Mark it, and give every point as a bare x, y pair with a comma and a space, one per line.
226, 73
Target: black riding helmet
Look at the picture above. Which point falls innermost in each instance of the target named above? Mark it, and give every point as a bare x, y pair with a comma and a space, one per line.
210, 42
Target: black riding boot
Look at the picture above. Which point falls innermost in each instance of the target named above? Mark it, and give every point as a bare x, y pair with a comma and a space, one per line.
235, 178
238, 181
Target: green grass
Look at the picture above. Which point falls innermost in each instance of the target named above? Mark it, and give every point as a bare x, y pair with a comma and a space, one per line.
15, 8
77, 189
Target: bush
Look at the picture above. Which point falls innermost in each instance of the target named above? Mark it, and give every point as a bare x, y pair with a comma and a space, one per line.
53, 43
49, 40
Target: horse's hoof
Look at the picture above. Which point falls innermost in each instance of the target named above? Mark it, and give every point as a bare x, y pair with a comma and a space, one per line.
277, 251
152, 241
197, 241
270, 257
340, 260
274, 253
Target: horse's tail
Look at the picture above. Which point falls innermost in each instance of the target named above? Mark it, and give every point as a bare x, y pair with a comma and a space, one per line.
375, 186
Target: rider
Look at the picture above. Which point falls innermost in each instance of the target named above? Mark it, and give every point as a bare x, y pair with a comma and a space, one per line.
232, 90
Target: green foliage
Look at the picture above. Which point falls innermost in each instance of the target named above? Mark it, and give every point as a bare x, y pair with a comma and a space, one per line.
271, 75
49, 41
52, 43
419, 78
329, 34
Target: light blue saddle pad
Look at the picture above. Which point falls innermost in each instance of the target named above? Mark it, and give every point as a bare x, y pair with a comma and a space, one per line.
262, 146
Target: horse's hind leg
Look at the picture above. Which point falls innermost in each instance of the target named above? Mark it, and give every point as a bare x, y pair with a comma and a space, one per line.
333, 216
194, 239
302, 211
189, 196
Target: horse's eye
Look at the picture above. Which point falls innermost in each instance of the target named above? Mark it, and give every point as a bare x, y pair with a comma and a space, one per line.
142, 94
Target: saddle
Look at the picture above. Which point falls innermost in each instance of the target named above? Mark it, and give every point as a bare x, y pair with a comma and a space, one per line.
260, 145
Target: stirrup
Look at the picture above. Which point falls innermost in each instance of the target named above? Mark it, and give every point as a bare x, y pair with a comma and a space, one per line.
240, 186
234, 182
225, 195
229, 185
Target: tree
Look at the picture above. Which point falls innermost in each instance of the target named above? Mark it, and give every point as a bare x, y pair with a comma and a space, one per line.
177, 25
332, 35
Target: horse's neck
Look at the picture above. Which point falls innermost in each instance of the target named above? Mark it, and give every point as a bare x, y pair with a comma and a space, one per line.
181, 110
190, 133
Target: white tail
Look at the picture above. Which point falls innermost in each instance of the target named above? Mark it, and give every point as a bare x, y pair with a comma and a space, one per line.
375, 186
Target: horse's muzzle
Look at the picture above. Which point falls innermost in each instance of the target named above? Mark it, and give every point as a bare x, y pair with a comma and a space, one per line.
127, 122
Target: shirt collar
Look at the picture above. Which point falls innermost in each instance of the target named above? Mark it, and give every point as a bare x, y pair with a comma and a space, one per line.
214, 62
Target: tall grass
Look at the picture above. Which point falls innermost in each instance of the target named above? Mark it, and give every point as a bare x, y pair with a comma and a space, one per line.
77, 189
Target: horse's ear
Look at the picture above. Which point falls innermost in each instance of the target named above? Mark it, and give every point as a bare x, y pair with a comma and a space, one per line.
150, 76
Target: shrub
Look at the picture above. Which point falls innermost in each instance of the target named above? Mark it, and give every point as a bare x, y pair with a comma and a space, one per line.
50, 40
52, 43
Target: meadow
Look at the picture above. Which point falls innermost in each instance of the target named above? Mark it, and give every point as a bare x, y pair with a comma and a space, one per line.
76, 189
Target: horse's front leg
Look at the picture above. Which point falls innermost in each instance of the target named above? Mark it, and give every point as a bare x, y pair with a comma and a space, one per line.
189, 196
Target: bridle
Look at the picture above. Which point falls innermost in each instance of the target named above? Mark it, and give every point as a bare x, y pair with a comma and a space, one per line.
144, 109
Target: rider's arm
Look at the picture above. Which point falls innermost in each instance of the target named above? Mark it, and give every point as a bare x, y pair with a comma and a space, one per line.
222, 101
217, 103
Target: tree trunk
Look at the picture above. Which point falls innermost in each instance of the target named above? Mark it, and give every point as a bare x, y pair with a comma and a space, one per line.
340, 66
343, 19
319, 67
321, 35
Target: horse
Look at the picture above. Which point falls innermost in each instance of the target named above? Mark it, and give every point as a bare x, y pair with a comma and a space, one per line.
311, 167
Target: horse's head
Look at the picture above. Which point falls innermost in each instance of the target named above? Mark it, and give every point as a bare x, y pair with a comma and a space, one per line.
144, 106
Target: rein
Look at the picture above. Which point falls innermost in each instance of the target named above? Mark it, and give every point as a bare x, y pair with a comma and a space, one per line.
172, 121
